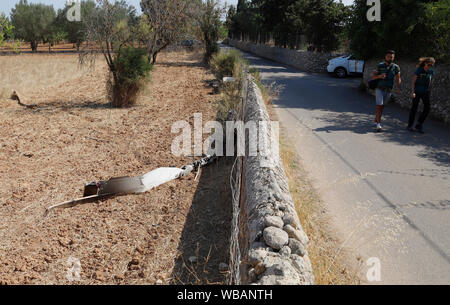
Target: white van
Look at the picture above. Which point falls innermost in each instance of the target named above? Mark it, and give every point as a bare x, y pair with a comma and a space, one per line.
345, 65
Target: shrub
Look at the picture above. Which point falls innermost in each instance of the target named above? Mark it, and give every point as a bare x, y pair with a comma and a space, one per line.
210, 25
131, 70
5, 29
227, 64
270, 91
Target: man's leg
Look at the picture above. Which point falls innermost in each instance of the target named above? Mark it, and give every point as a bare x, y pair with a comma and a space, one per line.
385, 100
412, 113
379, 102
378, 114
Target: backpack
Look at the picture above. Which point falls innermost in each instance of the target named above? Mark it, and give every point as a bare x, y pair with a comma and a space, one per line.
373, 83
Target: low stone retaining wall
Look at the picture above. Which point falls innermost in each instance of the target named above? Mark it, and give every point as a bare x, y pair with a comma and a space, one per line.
272, 243
302, 60
440, 102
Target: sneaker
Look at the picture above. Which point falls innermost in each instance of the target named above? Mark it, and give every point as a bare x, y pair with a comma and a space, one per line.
379, 128
410, 128
419, 128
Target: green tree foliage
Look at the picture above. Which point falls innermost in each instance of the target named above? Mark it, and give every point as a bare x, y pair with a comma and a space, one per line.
132, 64
229, 24
6, 29
132, 68
223, 31
324, 20
32, 22
285, 21
210, 26
413, 28
53, 36
112, 27
437, 21
246, 22
75, 31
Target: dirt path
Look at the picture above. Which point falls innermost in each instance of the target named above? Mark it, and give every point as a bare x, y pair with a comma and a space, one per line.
73, 137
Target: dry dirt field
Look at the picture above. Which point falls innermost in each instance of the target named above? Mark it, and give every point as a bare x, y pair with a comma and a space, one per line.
73, 137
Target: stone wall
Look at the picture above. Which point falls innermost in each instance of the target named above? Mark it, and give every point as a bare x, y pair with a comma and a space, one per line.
440, 102
302, 60
272, 242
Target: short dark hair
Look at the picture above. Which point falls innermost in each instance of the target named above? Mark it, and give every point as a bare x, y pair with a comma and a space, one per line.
390, 52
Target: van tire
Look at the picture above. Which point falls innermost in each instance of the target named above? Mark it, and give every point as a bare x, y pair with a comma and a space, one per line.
340, 72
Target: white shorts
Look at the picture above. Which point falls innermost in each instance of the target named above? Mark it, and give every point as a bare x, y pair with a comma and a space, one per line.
382, 97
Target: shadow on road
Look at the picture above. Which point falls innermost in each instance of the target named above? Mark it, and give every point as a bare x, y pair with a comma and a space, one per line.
435, 145
349, 109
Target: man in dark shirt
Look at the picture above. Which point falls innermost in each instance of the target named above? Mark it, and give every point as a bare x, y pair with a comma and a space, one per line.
422, 85
386, 72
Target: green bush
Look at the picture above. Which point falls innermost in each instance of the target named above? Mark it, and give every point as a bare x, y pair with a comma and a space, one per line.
227, 64
437, 20
5, 29
131, 70
210, 24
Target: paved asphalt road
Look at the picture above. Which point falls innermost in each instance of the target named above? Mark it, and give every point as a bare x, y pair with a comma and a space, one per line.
388, 194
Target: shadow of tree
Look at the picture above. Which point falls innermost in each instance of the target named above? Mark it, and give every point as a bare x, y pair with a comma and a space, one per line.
432, 205
71, 105
422, 172
432, 146
181, 64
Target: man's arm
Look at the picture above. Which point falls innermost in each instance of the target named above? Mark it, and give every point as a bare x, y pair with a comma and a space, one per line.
398, 77
377, 75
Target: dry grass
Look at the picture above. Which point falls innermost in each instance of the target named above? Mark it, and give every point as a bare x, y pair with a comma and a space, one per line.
331, 263
74, 137
270, 91
31, 73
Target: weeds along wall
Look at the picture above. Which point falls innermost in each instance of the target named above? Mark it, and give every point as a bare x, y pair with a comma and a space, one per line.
268, 243
440, 101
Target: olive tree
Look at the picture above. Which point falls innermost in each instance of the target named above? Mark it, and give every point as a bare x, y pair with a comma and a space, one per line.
164, 22
210, 26
32, 22
75, 30
111, 30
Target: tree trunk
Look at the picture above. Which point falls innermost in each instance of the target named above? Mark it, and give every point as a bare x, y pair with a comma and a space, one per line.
34, 45
155, 55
